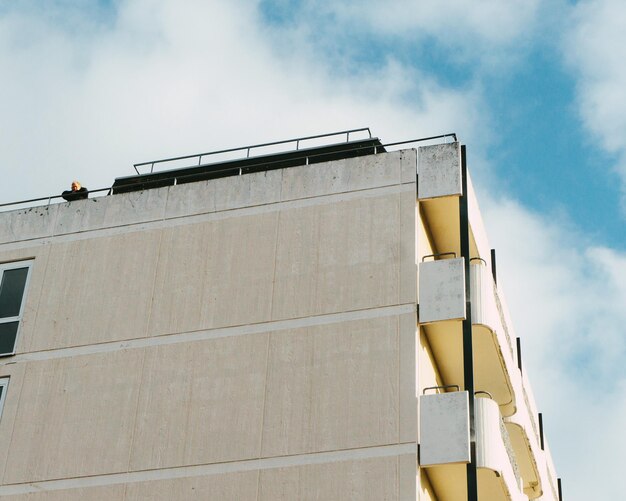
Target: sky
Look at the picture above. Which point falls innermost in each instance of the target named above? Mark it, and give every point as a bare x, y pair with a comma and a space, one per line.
536, 89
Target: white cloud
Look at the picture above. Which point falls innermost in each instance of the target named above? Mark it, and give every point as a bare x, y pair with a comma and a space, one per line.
493, 21
492, 33
566, 297
174, 78
595, 48
568, 293
82, 98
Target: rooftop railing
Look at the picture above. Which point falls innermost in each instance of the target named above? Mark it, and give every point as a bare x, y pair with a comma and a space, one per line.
248, 150
225, 167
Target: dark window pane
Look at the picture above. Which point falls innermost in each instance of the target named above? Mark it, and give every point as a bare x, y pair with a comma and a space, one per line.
8, 332
1, 391
11, 291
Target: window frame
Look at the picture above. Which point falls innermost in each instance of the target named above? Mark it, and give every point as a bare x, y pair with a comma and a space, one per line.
12, 265
4, 384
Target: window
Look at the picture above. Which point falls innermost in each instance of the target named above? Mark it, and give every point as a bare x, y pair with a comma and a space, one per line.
4, 383
13, 281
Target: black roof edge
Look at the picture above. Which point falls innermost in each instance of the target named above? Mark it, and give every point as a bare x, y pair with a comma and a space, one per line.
260, 163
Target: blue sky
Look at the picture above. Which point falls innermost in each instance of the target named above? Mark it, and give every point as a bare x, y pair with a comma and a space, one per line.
541, 152
535, 88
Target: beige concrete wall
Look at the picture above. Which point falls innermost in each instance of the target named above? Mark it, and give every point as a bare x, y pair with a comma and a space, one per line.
252, 190
283, 264
371, 479
201, 402
279, 393
108, 493
257, 318
242, 486
74, 417
244, 264
358, 480
214, 274
95, 291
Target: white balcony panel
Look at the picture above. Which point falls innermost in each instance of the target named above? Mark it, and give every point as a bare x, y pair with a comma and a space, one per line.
439, 171
441, 290
495, 367
484, 309
495, 459
444, 428
490, 448
523, 428
444, 448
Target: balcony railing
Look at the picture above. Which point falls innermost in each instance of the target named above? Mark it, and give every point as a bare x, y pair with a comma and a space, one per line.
444, 442
550, 474
511, 453
524, 432
494, 452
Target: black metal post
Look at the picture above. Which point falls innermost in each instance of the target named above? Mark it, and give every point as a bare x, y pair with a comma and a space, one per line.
518, 342
468, 350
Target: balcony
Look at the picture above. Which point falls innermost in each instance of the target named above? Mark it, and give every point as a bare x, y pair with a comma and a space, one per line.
523, 429
498, 474
441, 311
548, 478
442, 308
495, 367
445, 448
438, 189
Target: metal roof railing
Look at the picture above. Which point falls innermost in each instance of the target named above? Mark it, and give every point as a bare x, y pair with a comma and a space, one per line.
248, 149
109, 190
49, 198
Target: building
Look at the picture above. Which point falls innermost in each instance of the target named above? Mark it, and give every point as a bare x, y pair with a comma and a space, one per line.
247, 329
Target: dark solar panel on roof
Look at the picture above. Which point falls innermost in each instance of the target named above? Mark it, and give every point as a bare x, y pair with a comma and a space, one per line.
248, 165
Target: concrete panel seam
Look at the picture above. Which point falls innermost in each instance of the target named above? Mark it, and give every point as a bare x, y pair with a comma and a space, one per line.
267, 370
398, 362
154, 280
17, 408
276, 236
56, 220
184, 337
210, 216
212, 469
41, 292
136, 413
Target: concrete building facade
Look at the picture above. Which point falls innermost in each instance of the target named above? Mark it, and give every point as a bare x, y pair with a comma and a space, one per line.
285, 333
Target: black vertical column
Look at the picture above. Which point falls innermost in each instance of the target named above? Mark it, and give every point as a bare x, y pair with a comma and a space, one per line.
468, 349
493, 266
518, 344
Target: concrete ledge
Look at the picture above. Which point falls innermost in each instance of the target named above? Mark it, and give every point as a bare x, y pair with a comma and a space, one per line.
106, 212
351, 174
226, 193
26, 224
203, 197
